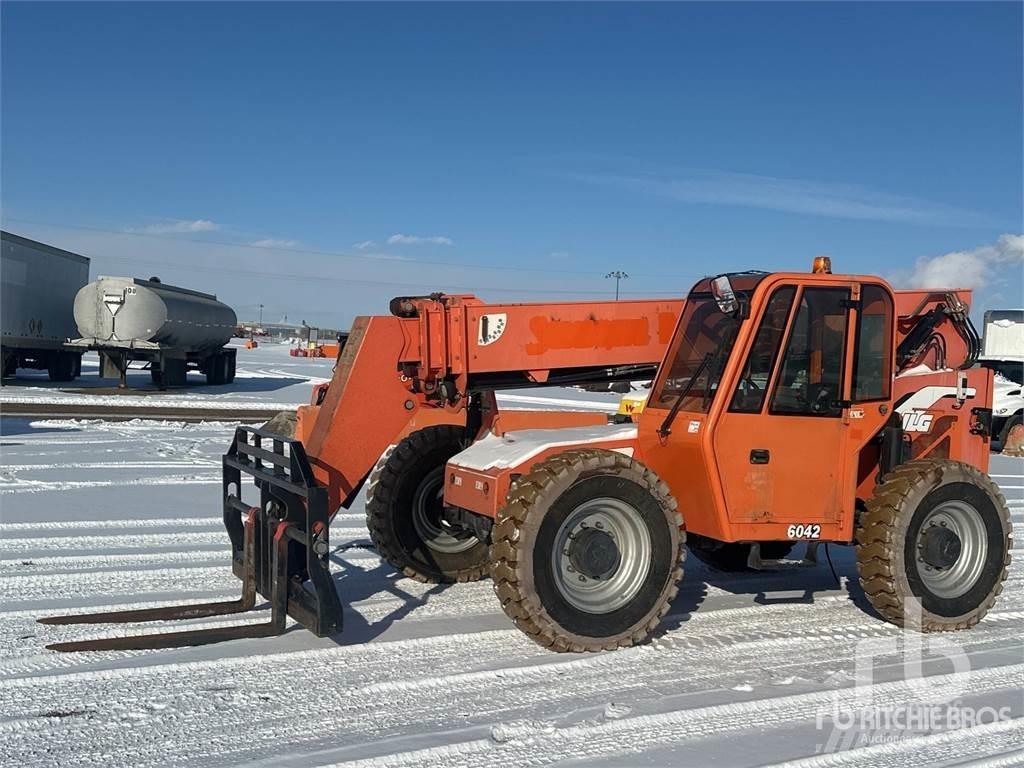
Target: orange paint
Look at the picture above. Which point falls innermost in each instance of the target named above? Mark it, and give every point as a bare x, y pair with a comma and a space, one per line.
551, 333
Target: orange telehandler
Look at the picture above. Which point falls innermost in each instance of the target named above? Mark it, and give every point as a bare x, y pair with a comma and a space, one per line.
786, 407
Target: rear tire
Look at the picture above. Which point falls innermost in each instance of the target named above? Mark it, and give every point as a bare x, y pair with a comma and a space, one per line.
732, 557
282, 423
62, 366
216, 369
935, 533
403, 511
174, 372
587, 552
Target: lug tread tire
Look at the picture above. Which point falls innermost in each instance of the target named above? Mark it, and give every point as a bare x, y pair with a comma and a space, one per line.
880, 539
282, 423
381, 489
528, 500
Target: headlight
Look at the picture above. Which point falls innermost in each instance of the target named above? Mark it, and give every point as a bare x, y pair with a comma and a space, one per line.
1002, 411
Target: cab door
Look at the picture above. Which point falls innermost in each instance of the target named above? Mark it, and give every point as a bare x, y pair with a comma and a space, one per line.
779, 441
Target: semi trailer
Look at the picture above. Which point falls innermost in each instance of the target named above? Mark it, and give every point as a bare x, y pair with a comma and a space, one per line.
174, 329
39, 283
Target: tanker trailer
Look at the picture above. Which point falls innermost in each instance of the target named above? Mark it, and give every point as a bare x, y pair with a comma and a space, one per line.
175, 329
37, 288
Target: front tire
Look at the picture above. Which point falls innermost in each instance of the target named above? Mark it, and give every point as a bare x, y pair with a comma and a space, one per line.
404, 511
587, 552
936, 533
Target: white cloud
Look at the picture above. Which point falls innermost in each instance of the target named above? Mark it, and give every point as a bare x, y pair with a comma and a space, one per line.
560, 255
803, 196
418, 240
270, 242
176, 227
967, 269
364, 245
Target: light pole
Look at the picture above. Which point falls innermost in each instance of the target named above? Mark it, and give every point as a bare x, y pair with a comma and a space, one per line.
618, 274
261, 315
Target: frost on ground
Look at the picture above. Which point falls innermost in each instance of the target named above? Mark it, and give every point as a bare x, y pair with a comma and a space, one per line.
747, 671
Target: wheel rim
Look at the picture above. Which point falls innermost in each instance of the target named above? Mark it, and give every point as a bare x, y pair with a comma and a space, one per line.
428, 521
602, 555
951, 547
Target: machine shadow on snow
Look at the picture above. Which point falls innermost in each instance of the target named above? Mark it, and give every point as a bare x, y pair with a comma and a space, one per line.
357, 585
768, 587
789, 583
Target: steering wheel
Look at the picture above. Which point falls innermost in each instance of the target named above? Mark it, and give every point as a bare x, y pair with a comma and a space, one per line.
749, 392
819, 398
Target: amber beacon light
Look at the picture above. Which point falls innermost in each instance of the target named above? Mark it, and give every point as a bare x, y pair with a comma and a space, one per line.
822, 265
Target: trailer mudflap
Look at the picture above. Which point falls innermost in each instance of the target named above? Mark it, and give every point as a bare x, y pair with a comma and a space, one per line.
279, 550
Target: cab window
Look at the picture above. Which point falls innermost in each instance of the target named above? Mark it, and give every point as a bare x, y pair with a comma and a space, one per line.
705, 341
702, 345
811, 379
872, 367
748, 397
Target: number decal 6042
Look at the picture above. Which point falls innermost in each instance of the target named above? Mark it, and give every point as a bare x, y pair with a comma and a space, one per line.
811, 531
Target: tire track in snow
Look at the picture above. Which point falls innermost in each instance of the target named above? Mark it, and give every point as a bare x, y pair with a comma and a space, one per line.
73, 525
392, 673
544, 744
121, 541
148, 522
999, 739
112, 465
40, 486
195, 556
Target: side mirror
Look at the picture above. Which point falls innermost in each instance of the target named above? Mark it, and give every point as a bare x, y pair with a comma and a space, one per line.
724, 295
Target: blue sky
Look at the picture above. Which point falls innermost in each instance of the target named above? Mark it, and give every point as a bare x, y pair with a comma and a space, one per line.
516, 151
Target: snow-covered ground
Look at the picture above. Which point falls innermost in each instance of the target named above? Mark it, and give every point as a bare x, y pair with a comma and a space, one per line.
265, 376
97, 515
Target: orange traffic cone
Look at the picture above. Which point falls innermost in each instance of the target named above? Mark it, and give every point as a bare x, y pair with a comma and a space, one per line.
1014, 443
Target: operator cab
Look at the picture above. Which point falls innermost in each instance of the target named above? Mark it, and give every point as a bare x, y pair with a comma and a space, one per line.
752, 409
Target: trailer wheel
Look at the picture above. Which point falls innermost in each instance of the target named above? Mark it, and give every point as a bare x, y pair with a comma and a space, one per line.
587, 553
231, 358
732, 557
936, 532
216, 369
62, 366
404, 511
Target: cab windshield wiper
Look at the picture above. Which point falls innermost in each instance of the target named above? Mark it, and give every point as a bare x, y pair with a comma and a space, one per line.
716, 367
666, 426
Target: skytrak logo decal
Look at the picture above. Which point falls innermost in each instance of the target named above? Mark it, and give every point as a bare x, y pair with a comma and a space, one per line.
914, 421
